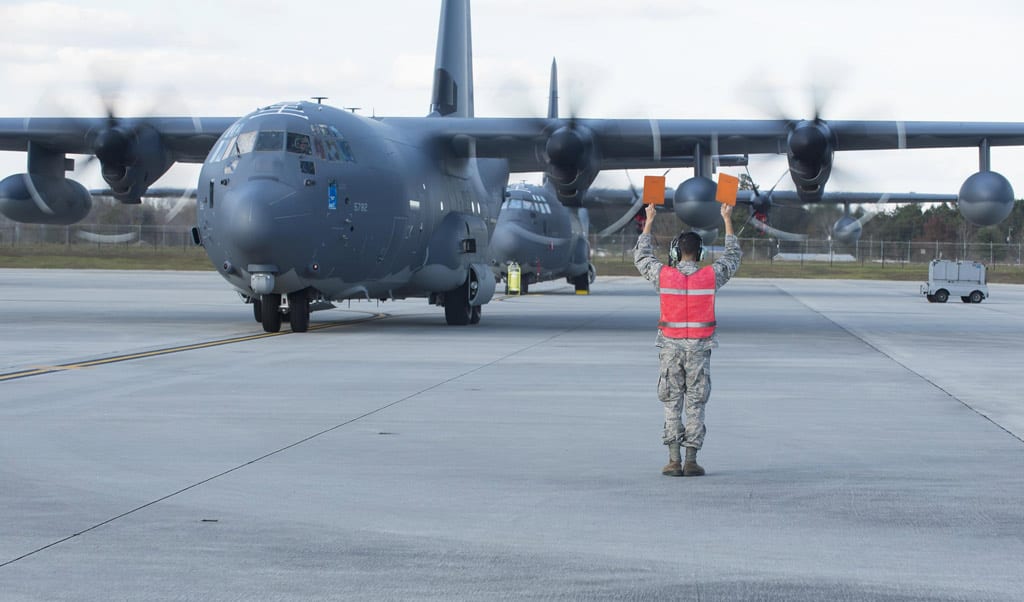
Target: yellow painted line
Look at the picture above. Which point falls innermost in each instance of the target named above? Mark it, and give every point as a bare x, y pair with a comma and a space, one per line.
38, 371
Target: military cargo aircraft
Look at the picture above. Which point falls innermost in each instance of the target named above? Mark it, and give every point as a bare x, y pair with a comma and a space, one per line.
300, 204
543, 237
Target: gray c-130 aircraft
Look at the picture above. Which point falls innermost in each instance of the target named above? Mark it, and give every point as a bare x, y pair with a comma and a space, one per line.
312, 204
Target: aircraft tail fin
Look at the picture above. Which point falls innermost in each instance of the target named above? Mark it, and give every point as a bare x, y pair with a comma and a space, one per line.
553, 92
453, 65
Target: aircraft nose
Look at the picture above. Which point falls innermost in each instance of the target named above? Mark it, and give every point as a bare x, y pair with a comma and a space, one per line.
247, 213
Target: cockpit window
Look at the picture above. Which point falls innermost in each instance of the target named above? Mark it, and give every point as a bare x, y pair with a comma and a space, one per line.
227, 150
537, 206
244, 143
299, 143
330, 145
270, 141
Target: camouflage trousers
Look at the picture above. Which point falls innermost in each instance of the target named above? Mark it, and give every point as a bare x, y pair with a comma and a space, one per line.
684, 386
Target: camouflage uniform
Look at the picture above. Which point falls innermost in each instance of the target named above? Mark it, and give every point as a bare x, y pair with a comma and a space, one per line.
684, 382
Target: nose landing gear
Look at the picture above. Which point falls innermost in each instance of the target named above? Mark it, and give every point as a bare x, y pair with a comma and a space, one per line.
270, 312
298, 310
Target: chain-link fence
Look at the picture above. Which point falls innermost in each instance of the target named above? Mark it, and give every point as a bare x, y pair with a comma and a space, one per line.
100, 236
619, 248
610, 250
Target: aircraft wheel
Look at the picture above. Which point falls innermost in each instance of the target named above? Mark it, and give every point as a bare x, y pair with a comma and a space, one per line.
976, 297
257, 310
524, 286
474, 314
270, 306
941, 295
457, 311
298, 315
582, 282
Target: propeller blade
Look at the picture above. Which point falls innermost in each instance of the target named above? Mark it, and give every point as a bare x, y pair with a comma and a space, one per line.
625, 219
180, 204
780, 234
878, 208
632, 187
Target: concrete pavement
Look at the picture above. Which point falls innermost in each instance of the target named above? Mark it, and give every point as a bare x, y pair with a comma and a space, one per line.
862, 444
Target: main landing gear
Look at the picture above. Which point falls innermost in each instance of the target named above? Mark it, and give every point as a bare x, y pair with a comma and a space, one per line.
582, 283
457, 310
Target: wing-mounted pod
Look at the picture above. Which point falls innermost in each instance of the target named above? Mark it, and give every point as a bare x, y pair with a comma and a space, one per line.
810, 148
986, 198
44, 195
42, 199
694, 203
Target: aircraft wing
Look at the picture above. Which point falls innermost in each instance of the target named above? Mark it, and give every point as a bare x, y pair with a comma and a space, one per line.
621, 143
188, 139
647, 143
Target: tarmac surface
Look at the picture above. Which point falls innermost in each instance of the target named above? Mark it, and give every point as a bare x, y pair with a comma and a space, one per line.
862, 444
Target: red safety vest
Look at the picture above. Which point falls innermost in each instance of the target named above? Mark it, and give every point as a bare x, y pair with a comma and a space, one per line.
687, 303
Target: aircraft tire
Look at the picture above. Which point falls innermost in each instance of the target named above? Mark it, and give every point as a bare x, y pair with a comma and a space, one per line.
976, 297
524, 286
475, 313
582, 282
457, 310
257, 310
270, 316
298, 314
941, 295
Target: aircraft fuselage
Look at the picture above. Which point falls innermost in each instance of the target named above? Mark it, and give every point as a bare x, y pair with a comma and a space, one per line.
342, 205
547, 239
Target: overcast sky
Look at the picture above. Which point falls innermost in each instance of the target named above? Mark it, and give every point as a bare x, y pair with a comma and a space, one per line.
893, 59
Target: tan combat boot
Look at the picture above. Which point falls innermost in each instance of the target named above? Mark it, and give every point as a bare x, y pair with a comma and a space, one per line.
674, 467
690, 467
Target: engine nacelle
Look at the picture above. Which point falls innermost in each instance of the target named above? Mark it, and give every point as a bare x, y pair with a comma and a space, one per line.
810, 150
847, 230
131, 160
985, 199
36, 199
572, 162
694, 203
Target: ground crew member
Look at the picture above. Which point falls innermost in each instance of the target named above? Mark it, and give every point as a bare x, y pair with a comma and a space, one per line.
686, 333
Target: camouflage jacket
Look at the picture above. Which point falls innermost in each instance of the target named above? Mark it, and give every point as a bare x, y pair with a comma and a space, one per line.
650, 268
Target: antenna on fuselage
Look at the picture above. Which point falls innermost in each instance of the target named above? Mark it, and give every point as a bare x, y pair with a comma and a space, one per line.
319, 99
352, 109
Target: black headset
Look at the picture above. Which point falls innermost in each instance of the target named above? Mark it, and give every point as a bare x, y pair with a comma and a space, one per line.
675, 253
